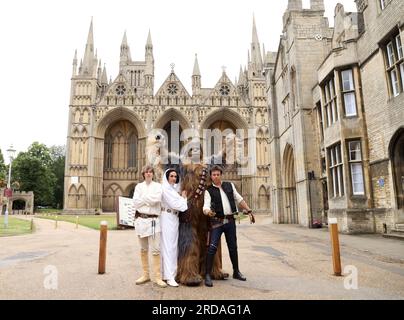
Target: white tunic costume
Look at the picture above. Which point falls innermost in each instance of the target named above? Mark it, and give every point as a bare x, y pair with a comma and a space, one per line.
172, 201
147, 200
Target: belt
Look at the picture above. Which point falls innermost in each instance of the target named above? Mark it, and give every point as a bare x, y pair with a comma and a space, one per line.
145, 216
170, 211
225, 219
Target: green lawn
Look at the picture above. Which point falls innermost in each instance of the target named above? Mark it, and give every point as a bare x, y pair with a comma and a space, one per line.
90, 221
16, 227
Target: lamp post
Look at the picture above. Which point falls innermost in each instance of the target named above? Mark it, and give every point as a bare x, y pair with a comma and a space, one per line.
11, 154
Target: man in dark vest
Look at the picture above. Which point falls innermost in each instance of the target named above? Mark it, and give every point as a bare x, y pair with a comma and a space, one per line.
220, 204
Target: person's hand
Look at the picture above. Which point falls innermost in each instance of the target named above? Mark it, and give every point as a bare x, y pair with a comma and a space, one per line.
210, 213
250, 214
184, 194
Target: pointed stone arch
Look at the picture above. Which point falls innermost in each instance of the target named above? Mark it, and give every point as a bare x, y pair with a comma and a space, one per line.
116, 114
224, 114
171, 115
76, 115
72, 197
396, 153
290, 213
263, 203
164, 123
130, 190
111, 194
82, 198
86, 116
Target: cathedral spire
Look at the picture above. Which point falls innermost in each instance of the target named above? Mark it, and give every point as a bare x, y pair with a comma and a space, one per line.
196, 78
99, 71
256, 57
104, 78
149, 40
196, 71
149, 49
254, 32
88, 60
125, 51
75, 63
149, 70
241, 77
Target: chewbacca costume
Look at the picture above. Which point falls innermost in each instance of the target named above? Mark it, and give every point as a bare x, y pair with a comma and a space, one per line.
193, 231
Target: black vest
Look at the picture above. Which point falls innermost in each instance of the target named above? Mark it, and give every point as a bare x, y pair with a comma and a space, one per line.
216, 200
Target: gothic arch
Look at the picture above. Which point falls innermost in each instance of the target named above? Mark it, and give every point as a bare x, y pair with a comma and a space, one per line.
72, 197
129, 190
82, 198
86, 116
121, 146
289, 186
263, 198
116, 114
171, 115
111, 194
224, 114
396, 153
76, 115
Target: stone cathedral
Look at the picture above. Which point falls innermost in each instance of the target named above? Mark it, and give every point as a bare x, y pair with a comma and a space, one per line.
109, 122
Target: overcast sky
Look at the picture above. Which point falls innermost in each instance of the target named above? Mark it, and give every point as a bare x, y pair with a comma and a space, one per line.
39, 39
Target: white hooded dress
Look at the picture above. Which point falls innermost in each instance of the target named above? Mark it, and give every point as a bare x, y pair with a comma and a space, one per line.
171, 199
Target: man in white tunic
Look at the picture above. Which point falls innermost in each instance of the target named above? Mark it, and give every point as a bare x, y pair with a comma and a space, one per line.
172, 203
147, 203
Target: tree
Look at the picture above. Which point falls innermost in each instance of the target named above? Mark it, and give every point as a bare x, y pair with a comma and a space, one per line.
41, 152
3, 169
33, 170
57, 154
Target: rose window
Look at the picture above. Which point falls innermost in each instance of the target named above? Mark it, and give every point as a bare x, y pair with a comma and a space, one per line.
224, 90
172, 89
120, 90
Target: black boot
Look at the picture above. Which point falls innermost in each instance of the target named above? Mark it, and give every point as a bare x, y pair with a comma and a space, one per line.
209, 265
236, 272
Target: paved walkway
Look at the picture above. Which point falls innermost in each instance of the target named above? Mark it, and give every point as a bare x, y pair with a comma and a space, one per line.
279, 261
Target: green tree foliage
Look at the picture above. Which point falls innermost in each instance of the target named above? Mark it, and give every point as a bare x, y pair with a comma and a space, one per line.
3, 169
33, 170
57, 154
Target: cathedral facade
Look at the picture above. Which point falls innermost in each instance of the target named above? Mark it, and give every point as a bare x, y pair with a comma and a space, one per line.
109, 122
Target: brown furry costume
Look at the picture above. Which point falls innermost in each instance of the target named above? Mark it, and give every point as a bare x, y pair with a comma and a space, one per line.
193, 233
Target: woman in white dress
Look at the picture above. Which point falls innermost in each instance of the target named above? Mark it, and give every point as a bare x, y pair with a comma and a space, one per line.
172, 203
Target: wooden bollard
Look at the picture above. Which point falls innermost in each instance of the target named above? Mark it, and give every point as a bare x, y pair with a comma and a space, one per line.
103, 247
32, 224
56, 222
336, 257
77, 222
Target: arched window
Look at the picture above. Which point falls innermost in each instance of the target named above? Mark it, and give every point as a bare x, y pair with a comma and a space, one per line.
132, 145
108, 152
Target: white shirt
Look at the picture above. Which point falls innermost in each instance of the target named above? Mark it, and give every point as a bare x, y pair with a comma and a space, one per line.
225, 201
147, 198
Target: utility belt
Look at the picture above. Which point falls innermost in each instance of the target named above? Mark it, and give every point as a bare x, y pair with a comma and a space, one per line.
174, 212
145, 216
